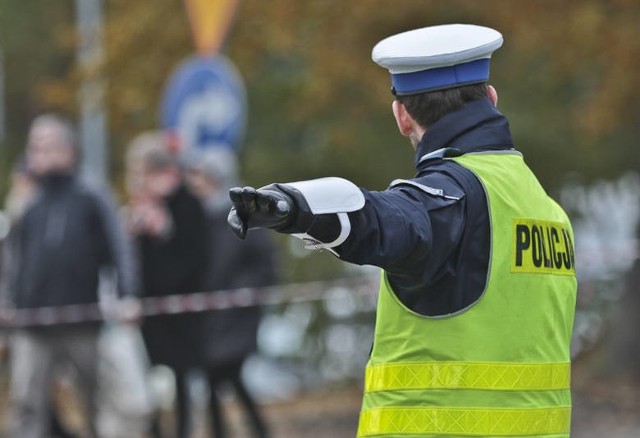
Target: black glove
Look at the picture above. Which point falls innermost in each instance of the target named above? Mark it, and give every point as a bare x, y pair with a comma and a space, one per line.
279, 207
268, 207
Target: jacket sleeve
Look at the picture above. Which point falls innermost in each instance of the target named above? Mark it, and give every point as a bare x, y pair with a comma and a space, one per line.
119, 245
405, 231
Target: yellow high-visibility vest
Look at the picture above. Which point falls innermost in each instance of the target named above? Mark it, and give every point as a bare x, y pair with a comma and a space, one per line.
500, 367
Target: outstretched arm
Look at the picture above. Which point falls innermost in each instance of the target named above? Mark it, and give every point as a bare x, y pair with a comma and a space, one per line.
385, 229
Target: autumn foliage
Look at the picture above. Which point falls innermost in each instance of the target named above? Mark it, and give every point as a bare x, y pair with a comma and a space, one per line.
567, 77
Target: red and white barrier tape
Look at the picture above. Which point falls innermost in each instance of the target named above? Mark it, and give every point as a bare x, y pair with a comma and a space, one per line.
196, 302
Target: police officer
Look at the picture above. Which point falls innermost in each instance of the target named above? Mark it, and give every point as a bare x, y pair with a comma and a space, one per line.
478, 283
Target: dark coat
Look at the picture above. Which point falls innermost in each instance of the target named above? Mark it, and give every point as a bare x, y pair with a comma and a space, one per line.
174, 266
67, 234
230, 335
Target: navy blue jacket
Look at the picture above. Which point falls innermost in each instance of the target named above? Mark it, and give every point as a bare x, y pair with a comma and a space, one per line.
434, 247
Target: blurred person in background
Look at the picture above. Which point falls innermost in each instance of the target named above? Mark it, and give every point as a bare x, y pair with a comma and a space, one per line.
229, 336
478, 287
68, 232
170, 229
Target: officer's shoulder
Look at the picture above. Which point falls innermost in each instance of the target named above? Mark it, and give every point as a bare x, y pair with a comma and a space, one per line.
435, 181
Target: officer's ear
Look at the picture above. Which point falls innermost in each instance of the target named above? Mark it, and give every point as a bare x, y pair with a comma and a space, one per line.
403, 119
492, 94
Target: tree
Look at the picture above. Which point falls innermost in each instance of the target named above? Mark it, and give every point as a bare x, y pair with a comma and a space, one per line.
567, 76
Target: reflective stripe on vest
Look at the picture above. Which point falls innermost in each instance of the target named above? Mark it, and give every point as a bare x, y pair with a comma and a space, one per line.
468, 375
465, 421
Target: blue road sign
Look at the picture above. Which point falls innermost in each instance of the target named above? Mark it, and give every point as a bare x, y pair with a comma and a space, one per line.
205, 105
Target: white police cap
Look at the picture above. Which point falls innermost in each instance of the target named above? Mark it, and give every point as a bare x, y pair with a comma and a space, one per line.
437, 57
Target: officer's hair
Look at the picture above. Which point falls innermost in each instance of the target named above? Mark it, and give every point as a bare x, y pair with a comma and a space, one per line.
64, 128
428, 108
151, 149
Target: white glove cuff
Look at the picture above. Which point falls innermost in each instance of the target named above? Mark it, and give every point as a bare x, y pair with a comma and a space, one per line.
326, 196
330, 195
